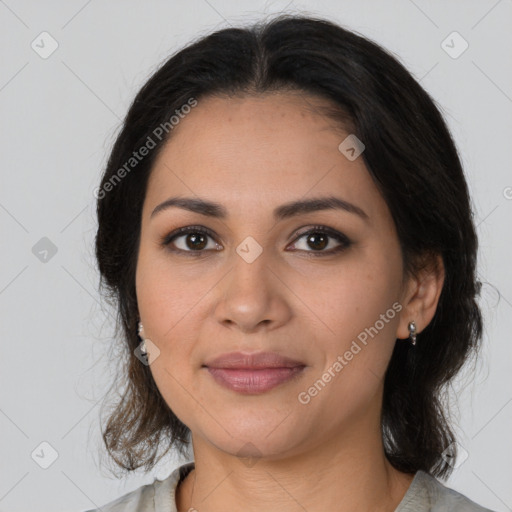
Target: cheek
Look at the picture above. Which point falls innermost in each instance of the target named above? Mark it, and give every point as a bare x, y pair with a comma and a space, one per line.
351, 296
359, 313
165, 306
164, 294
354, 362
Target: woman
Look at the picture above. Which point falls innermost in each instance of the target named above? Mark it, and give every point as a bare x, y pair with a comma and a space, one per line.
286, 228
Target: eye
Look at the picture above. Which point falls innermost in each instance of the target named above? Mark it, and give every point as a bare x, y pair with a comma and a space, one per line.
195, 240
320, 237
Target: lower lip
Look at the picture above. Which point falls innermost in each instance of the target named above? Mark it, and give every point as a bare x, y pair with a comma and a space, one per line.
253, 381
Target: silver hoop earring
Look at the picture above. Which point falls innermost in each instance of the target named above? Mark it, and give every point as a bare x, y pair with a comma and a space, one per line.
143, 348
412, 332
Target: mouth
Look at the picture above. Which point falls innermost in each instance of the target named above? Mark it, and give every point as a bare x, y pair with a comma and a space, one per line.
253, 373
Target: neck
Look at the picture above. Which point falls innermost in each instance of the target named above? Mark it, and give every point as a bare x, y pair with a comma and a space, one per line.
344, 472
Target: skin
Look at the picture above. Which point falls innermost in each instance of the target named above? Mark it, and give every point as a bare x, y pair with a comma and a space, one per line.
252, 154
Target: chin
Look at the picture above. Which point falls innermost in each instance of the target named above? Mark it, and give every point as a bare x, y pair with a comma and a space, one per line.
256, 441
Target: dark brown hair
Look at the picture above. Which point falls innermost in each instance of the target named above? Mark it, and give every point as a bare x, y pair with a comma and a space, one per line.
410, 155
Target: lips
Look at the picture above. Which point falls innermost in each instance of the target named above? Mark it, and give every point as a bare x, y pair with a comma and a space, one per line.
254, 361
253, 374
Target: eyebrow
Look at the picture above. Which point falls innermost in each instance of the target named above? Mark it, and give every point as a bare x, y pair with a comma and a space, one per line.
285, 211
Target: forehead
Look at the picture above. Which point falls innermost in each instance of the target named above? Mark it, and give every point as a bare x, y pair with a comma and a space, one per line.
247, 152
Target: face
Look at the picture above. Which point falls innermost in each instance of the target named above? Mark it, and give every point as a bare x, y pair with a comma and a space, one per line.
322, 287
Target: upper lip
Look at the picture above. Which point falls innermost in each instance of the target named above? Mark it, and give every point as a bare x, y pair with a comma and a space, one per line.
253, 360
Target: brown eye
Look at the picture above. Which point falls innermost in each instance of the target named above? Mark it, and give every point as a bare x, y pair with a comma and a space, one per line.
196, 241
317, 239
190, 239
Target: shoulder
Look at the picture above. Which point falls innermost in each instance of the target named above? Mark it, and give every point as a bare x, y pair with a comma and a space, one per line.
138, 500
426, 493
154, 497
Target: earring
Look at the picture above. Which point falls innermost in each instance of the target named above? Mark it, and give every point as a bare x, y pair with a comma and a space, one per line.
143, 348
412, 332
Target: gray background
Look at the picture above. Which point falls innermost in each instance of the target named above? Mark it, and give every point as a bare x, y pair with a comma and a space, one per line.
59, 116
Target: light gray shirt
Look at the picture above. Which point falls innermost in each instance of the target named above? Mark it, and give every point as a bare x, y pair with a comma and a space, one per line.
425, 494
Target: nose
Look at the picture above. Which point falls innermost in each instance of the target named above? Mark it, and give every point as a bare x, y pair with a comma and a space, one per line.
253, 296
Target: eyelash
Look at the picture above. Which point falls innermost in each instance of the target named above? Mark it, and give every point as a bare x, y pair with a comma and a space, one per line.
324, 230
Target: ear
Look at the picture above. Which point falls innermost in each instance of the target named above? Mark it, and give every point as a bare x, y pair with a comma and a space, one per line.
421, 297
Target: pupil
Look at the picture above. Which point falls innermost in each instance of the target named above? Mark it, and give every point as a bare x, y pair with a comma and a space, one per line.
323, 239
193, 238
